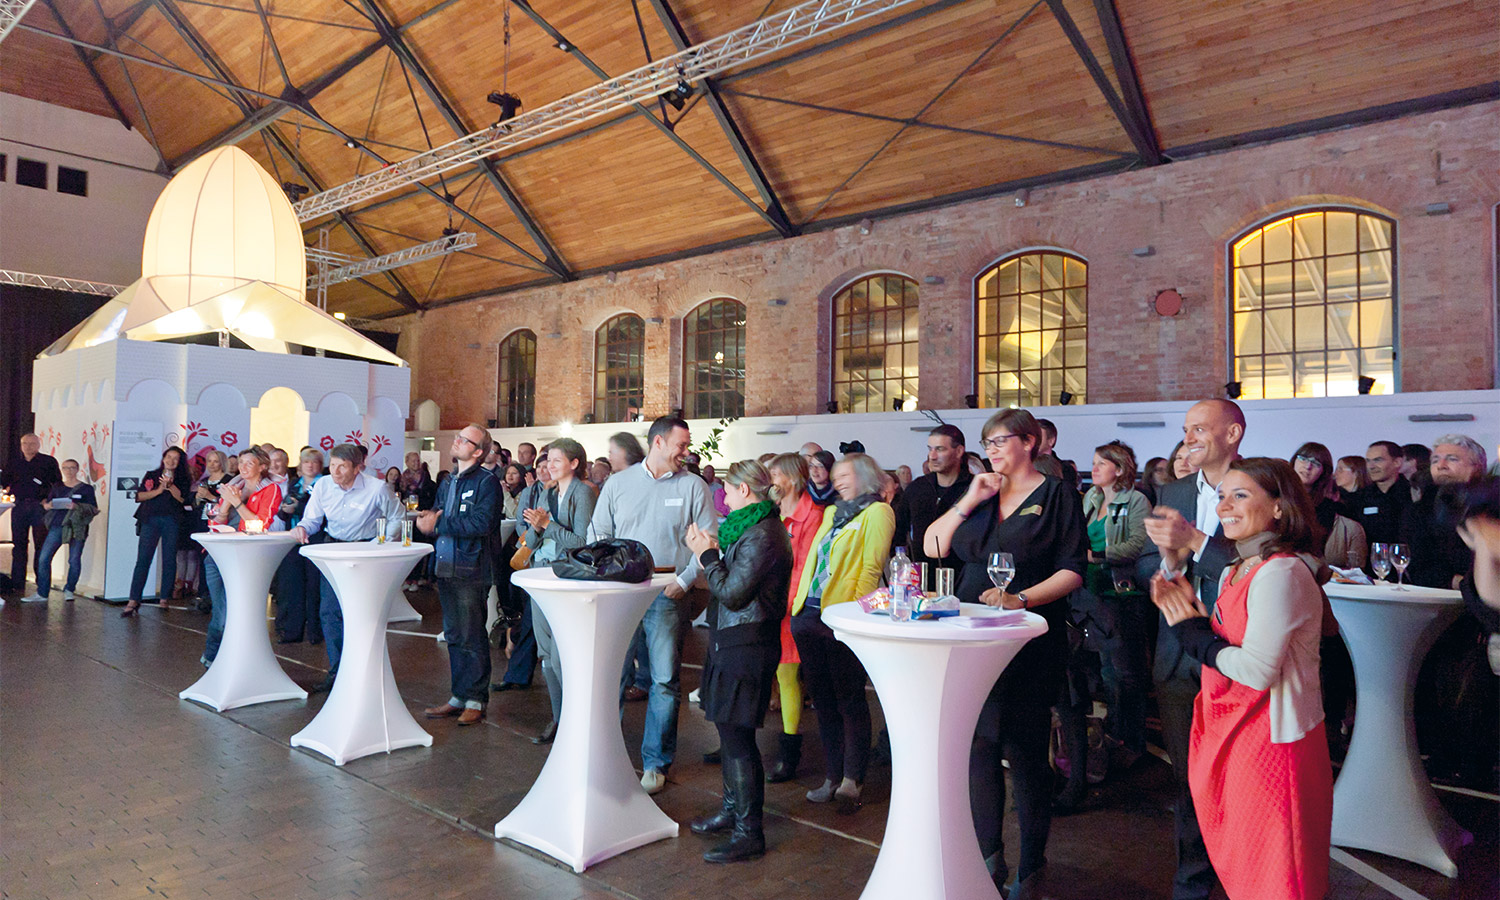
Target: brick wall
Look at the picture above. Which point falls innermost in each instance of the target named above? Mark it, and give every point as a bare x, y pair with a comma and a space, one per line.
1186, 210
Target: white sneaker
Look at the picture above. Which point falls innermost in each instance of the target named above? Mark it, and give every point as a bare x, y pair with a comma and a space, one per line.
68, 595
653, 781
33, 598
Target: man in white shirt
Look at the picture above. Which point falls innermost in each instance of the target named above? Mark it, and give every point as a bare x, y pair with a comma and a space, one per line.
344, 507
1212, 433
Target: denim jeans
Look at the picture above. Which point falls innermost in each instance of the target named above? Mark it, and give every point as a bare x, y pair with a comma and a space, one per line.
27, 526
219, 609
523, 655
332, 617
463, 602
44, 565
154, 530
638, 661
663, 629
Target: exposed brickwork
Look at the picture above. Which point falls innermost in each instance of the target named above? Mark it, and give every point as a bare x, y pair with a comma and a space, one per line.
1187, 211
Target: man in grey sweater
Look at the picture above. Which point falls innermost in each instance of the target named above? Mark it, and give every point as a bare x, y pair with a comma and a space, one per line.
654, 502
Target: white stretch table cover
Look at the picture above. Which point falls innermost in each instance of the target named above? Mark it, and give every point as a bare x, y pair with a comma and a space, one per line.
364, 713
245, 670
1382, 800
932, 678
5, 521
588, 804
401, 608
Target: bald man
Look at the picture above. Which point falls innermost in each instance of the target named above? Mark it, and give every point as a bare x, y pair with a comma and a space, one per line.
1185, 534
809, 448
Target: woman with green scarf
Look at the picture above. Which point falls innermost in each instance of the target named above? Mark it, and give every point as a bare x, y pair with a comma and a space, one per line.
748, 581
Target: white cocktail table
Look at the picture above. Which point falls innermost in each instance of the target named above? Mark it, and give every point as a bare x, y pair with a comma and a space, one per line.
364, 713
245, 670
1382, 800
932, 678
588, 804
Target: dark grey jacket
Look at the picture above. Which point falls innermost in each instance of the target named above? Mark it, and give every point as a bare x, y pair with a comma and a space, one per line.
749, 582
1171, 661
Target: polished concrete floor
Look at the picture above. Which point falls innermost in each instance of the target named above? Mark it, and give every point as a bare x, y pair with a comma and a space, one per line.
111, 787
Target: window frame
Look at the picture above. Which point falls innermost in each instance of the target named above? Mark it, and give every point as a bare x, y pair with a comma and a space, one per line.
1230, 357
601, 341
974, 323
689, 349
527, 418
833, 336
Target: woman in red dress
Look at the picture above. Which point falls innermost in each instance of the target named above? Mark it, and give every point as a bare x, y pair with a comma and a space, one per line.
1258, 766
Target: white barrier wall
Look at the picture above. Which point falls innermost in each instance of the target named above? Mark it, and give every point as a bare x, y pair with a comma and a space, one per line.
1273, 428
115, 407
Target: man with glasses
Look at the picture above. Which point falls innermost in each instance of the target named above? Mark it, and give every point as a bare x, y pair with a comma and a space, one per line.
1439, 558
461, 519
69, 507
1185, 535
344, 507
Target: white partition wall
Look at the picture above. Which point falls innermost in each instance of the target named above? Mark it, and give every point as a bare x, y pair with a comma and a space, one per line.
114, 407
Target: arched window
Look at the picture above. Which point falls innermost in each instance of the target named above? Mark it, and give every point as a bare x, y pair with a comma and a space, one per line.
1314, 305
1031, 328
516, 391
619, 368
713, 360
875, 332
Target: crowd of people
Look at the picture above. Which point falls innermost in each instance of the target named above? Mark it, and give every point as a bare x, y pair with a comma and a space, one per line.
1190, 584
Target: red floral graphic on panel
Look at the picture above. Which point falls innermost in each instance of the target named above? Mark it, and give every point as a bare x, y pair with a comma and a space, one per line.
355, 437
229, 439
379, 443
327, 442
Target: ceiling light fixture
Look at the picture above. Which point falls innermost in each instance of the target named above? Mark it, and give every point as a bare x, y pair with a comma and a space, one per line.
294, 191
679, 94
509, 104
1233, 389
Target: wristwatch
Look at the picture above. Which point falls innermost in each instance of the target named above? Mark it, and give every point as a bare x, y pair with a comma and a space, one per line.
1022, 597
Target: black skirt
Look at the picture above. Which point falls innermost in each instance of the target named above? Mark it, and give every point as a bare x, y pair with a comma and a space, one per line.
737, 679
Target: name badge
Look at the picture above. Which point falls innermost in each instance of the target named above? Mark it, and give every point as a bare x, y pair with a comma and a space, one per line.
463, 507
1371, 510
674, 501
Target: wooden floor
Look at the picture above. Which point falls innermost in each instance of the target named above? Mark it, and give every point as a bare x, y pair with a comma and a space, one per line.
110, 787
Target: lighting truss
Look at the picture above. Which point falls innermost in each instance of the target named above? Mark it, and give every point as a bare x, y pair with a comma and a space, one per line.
58, 283
757, 40
11, 12
349, 271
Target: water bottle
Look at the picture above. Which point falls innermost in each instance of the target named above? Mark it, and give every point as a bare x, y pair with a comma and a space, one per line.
899, 576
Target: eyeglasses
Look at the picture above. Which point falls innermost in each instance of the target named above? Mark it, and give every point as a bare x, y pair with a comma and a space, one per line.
997, 441
1309, 460
460, 437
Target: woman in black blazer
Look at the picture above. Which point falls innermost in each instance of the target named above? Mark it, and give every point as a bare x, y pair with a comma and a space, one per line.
748, 581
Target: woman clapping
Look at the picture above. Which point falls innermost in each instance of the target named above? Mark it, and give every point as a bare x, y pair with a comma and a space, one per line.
748, 568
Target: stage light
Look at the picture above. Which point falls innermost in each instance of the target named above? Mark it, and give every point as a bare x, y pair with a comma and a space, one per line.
832, 406
1233, 390
1366, 384
1064, 398
678, 95
509, 104
971, 401
294, 191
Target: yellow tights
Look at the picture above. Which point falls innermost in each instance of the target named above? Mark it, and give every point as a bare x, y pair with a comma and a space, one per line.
791, 697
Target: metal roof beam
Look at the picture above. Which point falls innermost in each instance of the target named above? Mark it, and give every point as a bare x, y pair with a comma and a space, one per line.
1130, 80
393, 37
88, 63
781, 220
1140, 137
641, 110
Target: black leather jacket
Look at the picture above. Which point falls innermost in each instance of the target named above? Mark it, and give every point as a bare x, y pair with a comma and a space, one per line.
749, 582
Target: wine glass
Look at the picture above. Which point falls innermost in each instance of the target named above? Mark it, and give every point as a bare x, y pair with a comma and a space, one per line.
1002, 569
1400, 555
1380, 559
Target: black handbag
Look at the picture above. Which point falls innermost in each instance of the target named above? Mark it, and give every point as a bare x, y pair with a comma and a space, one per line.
617, 559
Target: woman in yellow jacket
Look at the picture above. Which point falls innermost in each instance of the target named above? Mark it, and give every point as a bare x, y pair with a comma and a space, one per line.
849, 555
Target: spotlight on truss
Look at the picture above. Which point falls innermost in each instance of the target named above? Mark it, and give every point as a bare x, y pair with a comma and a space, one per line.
509, 104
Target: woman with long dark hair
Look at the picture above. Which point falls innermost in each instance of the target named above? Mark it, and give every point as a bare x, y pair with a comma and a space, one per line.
748, 568
161, 496
1258, 763
1016, 509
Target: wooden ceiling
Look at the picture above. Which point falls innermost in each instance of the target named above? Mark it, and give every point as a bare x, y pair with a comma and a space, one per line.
944, 100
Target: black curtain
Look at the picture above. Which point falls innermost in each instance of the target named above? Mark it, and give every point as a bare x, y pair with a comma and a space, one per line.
30, 319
